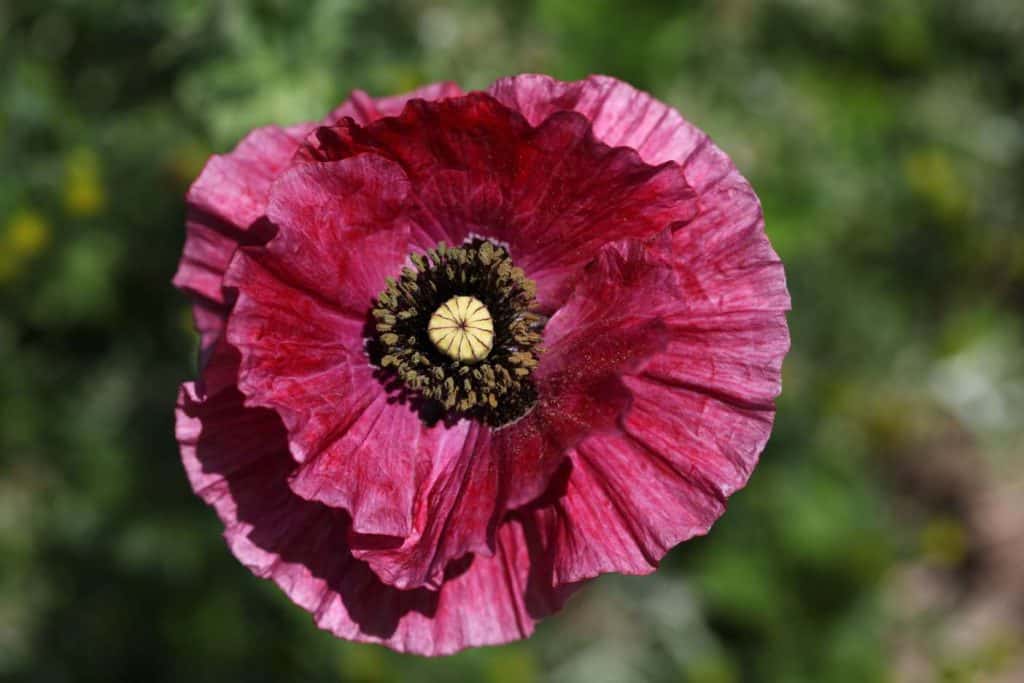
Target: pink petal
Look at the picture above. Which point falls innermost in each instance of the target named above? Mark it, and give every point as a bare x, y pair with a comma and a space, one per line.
237, 460
209, 319
687, 414
702, 406
656, 390
609, 326
622, 116
225, 204
341, 230
364, 109
459, 155
700, 412
724, 261
632, 496
476, 167
300, 355
303, 303
456, 514
231, 192
736, 356
219, 367
222, 443
574, 190
376, 466
623, 508
723, 247
229, 197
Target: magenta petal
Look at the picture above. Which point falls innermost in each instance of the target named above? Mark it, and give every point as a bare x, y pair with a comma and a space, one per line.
306, 361
222, 442
456, 514
376, 467
209, 319
574, 190
715, 439
734, 356
303, 303
700, 412
364, 109
724, 242
476, 167
623, 508
237, 460
724, 261
229, 197
631, 497
341, 230
609, 326
459, 155
219, 366
225, 204
621, 115
300, 355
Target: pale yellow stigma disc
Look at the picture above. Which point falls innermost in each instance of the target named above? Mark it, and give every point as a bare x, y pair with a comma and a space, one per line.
462, 329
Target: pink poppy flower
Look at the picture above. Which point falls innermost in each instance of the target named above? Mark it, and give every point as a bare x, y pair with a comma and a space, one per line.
462, 353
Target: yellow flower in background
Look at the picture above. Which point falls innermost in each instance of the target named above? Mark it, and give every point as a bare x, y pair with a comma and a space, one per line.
83, 185
933, 177
512, 665
26, 234
944, 542
187, 161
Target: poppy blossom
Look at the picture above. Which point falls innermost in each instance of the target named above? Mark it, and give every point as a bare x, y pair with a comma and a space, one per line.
463, 352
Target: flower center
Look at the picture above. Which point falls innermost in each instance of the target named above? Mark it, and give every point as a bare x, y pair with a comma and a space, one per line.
460, 331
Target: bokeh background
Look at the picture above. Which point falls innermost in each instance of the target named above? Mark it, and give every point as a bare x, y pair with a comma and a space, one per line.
881, 538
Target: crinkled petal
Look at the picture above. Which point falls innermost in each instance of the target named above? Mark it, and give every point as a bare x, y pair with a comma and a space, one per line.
301, 355
574, 190
702, 406
724, 261
622, 116
375, 464
700, 411
634, 494
609, 326
478, 168
656, 389
299, 324
363, 109
340, 231
225, 205
229, 197
219, 368
209, 319
723, 247
733, 356
303, 303
623, 508
456, 514
237, 460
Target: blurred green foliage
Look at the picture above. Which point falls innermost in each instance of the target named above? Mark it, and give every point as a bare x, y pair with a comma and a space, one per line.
886, 140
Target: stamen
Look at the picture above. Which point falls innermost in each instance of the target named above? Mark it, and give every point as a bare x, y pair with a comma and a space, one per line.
460, 330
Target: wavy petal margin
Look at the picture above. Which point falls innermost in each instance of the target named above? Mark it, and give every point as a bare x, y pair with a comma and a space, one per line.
237, 461
665, 345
